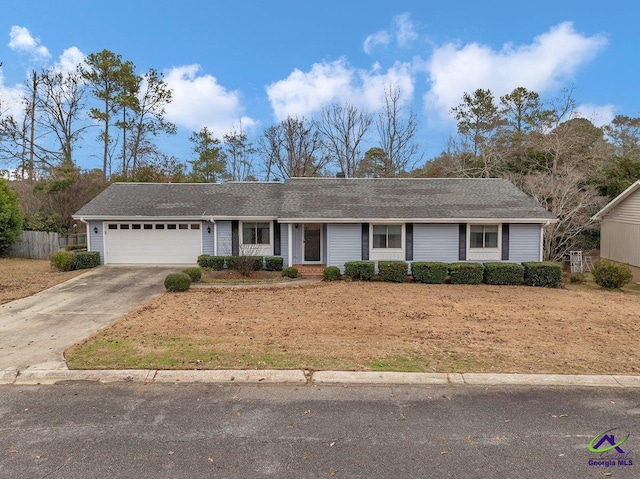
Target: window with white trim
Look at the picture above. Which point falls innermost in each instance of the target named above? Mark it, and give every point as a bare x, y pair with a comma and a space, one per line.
483, 237
387, 236
256, 233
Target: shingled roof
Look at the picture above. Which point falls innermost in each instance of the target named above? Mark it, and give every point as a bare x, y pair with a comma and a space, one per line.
321, 199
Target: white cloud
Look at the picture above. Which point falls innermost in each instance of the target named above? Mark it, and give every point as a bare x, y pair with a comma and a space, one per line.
199, 100
543, 65
405, 30
305, 93
599, 115
69, 60
22, 41
379, 38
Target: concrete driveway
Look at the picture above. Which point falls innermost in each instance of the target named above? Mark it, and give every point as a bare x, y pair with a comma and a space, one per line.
35, 331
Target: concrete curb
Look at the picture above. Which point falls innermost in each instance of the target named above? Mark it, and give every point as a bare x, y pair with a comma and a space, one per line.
232, 376
320, 378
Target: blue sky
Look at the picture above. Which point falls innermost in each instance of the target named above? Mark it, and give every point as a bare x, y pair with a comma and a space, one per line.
257, 61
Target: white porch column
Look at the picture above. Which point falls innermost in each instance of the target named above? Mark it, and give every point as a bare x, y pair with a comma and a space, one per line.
215, 238
290, 244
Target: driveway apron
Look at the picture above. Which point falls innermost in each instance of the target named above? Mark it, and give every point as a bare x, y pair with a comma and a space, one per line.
35, 331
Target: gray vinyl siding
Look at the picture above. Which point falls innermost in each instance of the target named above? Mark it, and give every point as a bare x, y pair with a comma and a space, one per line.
344, 243
207, 238
524, 242
435, 242
620, 242
96, 240
224, 238
284, 243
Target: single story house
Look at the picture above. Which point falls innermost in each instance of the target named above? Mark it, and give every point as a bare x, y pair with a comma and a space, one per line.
322, 221
620, 229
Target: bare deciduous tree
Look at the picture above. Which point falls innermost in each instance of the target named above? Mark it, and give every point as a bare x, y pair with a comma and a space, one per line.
343, 127
396, 132
292, 148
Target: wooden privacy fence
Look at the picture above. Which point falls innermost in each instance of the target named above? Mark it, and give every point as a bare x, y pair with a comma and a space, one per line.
35, 244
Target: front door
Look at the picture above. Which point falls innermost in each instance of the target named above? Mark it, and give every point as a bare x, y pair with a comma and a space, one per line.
312, 243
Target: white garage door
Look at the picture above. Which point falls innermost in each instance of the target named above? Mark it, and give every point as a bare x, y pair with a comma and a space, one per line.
170, 242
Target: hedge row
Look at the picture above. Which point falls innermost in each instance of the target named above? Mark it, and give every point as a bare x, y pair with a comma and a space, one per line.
218, 263
72, 260
547, 274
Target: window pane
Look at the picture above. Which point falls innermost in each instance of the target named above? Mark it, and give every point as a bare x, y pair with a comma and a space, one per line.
248, 233
491, 236
171, 227
148, 227
395, 236
379, 236
159, 226
263, 233
135, 227
113, 227
183, 226
195, 226
475, 239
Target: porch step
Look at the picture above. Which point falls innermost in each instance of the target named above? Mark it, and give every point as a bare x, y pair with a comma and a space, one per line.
310, 270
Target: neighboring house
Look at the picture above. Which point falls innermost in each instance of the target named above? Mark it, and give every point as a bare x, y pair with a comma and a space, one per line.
323, 221
620, 229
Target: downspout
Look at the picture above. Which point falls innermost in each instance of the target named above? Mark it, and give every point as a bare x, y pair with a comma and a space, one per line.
88, 233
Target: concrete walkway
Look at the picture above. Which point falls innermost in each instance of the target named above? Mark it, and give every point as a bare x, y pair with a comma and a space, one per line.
35, 331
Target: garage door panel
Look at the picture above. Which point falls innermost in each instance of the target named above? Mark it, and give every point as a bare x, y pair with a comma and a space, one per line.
128, 245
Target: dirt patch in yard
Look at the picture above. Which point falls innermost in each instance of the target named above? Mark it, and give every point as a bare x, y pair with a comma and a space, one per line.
377, 326
20, 277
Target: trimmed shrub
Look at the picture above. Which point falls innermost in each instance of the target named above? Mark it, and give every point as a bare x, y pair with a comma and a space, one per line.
231, 261
273, 263
542, 273
465, 273
331, 273
503, 273
194, 273
215, 263
75, 247
63, 261
290, 272
86, 259
393, 271
177, 282
359, 269
430, 272
611, 275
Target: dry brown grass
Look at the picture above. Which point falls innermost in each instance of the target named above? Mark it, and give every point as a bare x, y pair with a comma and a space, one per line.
23, 277
379, 326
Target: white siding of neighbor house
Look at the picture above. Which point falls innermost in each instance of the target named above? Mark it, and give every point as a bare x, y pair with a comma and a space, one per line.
224, 238
524, 242
284, 243
620, 232
628, 211
207, 238
620, 241
96, 240
344, 243
433, 242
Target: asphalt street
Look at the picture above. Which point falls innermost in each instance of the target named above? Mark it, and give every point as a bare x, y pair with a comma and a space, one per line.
80, 429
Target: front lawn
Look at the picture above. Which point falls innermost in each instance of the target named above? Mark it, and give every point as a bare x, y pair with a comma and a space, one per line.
23, 277
376, 326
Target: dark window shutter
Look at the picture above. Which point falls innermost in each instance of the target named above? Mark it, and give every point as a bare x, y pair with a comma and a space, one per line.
365, 241
235, 239
277, 249
408, 252
462, 242
505, 241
